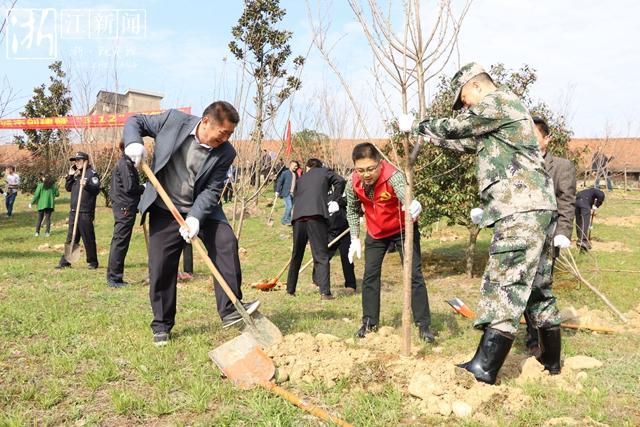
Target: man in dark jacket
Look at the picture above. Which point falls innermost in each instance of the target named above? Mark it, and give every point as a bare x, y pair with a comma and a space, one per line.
191, 158
90, 184
310, 223
285, 185
587, 202
337, 225
125, 192
563, 174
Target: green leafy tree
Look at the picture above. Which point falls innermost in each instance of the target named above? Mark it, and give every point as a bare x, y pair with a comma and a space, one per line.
266, 52
446, 181
310, 143
48, 101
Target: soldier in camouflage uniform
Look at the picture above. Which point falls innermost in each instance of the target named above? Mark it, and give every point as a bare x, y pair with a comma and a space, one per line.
519, 203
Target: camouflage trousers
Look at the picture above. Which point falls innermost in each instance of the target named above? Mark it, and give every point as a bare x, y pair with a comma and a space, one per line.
518, 273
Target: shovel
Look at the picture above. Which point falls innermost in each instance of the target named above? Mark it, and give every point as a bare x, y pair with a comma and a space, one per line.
273, 206
72, 249
247, 365
268, 285
331, 243
261, 328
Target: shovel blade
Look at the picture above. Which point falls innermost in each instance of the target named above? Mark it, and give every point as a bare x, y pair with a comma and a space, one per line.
266, 333
243, 361
72, 252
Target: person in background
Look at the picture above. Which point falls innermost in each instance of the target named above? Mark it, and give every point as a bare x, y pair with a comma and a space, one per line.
285, 186
563, 174
44, 199
310, 223
587, 203
125, 192
337, 225
90, 186
13, 182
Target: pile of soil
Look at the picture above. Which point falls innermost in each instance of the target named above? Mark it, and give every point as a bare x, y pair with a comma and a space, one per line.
587, 317
439, 387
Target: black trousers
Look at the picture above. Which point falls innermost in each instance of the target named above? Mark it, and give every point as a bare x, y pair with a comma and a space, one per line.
44, 214
86, 231
165, 247
187, 259
583, 222
374, 252
347, 268
316, 232
123, 221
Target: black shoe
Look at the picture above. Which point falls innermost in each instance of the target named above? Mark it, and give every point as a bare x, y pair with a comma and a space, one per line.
366, 328
235, 317
426, 334
92, 266
61, 266
114, 284
490, 355
161, 338
550, 346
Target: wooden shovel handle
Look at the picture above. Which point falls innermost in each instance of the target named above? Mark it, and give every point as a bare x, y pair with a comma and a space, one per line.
312, 409
75, 220
195, 241
273, 206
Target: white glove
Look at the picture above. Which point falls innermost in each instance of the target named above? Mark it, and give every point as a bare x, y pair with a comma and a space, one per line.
136, 152
561, 241
355, 248
333, 207
191, 230
277, 195
405, 122
476, 215
415, 208
29, 205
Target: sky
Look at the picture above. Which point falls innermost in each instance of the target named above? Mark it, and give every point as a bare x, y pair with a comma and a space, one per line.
586, 55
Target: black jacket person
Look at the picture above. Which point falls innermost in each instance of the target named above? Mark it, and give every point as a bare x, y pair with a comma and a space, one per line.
587, 201
191, 158
310, 222
125, 192
87, 211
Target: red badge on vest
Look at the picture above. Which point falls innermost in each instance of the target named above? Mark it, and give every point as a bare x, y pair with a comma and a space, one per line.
384, 196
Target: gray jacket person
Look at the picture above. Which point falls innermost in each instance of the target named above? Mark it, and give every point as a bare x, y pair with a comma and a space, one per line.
191, 158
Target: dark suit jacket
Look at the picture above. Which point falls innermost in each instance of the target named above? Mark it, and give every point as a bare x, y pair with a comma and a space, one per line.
590, 197
311, 193
563, 174
170, 129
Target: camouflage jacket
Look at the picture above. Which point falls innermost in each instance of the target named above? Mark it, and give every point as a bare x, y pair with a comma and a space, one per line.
509, 165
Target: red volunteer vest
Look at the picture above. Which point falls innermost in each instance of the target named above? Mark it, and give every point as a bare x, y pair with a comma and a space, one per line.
383, 213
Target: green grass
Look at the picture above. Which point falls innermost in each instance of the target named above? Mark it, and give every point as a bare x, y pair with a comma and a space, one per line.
73, 351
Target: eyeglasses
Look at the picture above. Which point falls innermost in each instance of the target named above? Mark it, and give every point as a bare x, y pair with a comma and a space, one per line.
370, 169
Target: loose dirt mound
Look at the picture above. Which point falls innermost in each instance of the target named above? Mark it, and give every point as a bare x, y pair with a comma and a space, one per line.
441, 387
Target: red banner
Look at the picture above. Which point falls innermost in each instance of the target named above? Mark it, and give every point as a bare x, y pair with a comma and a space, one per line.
73, 122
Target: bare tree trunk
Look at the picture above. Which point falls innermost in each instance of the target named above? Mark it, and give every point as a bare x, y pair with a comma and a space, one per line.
470, 252
408, 252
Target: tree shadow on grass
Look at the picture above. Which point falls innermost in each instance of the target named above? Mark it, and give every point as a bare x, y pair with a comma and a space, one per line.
439, 322
288, 320
29, 254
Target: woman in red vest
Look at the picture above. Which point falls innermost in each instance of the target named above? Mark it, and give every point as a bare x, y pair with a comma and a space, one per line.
378, 188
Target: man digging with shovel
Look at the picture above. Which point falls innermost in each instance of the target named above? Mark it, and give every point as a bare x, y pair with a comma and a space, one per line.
84, 185
191, 158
